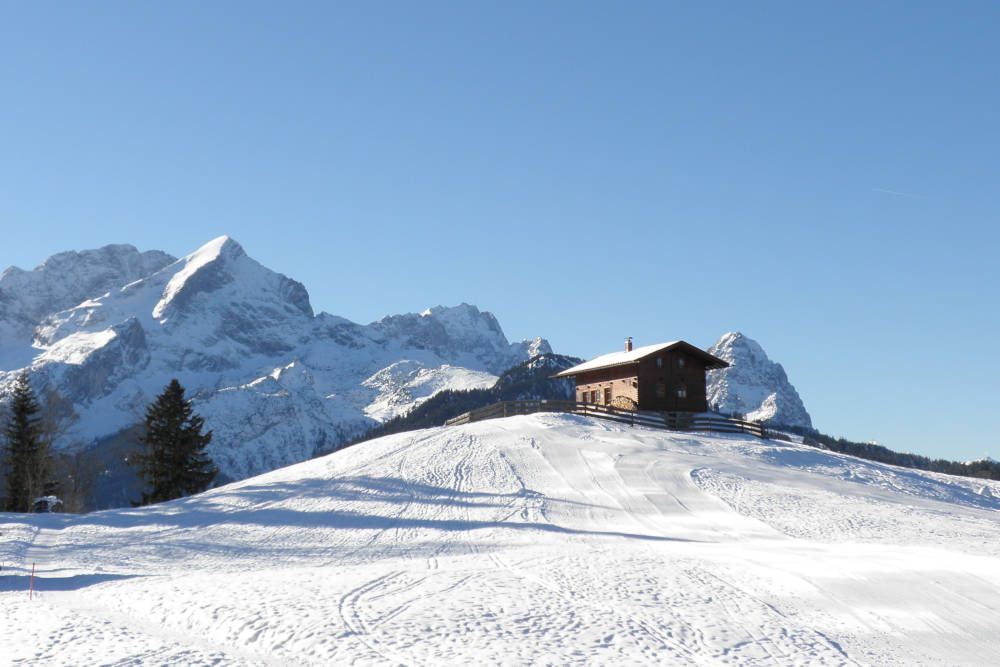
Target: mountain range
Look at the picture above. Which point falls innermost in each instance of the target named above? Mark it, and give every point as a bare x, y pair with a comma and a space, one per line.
276, 382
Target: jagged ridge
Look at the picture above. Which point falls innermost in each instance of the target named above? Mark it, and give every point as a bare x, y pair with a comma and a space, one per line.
753, 385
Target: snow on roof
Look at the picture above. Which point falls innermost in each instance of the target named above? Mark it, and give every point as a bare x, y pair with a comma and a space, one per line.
616, 358
623, 357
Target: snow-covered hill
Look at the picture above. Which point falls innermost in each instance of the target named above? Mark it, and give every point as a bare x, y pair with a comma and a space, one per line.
109, 328
547, 539
753, 385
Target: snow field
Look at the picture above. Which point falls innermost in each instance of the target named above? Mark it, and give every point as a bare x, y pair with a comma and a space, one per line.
546, 539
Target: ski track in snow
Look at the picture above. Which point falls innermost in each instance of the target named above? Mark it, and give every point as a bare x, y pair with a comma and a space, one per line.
544, 539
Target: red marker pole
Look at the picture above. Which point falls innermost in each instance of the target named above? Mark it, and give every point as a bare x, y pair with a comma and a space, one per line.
31, 585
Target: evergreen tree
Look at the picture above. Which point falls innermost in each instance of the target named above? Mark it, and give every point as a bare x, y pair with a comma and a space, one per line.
26, 451
173, 463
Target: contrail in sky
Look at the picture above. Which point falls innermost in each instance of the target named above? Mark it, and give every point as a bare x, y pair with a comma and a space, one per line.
894, 193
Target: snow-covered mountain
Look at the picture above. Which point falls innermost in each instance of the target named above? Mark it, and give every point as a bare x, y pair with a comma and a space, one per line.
753, 384
63, 281
109, 328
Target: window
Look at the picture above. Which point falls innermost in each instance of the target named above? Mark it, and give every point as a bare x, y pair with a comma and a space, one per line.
607, 396
593, 396
659, 362
680, 362
661, 390
682, 391
583, 396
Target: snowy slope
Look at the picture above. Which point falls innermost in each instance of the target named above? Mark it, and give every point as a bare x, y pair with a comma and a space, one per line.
753, 385
541, 539
274, 381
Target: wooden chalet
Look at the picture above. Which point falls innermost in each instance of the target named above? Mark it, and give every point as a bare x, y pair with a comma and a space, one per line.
666, 377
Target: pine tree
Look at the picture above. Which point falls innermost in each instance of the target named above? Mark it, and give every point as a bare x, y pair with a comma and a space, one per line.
173, 463
27, 456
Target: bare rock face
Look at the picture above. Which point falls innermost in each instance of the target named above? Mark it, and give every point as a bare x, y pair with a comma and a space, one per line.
109, 328
753, 385
112, 356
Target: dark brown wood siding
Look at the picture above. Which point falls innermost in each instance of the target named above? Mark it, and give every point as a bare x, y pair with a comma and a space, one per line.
672, 377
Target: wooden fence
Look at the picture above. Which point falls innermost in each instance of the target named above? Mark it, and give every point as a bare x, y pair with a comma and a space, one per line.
674, 421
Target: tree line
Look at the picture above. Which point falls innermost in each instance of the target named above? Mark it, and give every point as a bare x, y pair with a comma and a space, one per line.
170, 458
984, 469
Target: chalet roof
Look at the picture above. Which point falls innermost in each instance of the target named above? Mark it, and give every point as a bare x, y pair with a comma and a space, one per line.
624, 358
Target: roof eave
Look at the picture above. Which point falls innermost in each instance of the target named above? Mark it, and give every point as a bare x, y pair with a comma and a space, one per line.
712, 362
567, 374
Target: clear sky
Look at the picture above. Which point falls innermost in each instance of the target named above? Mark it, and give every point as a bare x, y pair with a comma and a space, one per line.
821, 176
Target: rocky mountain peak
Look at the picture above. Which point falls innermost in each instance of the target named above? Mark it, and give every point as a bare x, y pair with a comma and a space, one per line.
463, 332
465, 318
737, 339
753, 385
59, 283
68, 278
222, 262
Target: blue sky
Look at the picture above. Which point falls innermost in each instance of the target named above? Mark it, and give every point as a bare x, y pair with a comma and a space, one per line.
822, 176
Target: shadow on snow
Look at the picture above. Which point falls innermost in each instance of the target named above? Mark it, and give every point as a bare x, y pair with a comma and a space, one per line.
43, 583
253, 506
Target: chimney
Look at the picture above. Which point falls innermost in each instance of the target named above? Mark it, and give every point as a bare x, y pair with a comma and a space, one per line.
628, 344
